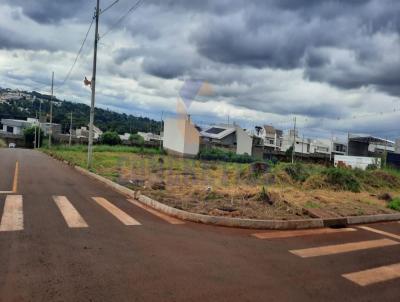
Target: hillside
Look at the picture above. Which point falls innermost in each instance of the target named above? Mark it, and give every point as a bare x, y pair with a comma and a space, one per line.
26, 104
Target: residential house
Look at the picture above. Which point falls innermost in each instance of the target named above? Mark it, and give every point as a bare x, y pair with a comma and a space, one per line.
150, 137
84, 132
181, 137
271, 138
228, 136
301, 144
16, 127
369, 146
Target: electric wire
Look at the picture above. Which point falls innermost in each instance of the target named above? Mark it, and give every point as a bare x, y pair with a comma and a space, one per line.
130, 10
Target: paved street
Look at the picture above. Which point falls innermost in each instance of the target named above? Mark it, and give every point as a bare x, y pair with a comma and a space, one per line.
65, 237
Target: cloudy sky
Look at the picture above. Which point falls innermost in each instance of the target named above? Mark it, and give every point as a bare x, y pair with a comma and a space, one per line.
333, 64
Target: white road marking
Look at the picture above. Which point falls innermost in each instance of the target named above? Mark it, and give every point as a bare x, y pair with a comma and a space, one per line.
380, 232
118, 213
375, 275
296, 233
343, 248
13, 216
71, 215
165, 217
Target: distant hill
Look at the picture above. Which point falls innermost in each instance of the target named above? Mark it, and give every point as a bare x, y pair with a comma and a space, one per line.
26, 104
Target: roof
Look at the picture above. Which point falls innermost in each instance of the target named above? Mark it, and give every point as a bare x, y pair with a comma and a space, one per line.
370, 139
218, 132
15, 123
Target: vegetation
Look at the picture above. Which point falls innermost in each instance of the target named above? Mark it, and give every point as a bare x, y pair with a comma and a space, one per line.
136, 139
105, 119
395, 204
29, 136
3, 143
258, 190
222, 155
110, 138
311, 176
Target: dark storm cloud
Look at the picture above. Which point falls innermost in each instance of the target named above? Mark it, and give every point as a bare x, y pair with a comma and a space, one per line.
50, 11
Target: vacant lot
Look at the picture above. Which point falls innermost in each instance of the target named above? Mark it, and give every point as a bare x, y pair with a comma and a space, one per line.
282, 191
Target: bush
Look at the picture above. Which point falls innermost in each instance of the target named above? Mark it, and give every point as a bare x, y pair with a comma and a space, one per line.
342, 179
136, 139
110, 138
297, 171
29, 136
222, 155
3, 144
395, 204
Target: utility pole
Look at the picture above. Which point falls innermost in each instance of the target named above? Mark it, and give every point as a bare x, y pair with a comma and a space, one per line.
70, 131
40, 114
294, 140
35, 141
93, 85
51, 109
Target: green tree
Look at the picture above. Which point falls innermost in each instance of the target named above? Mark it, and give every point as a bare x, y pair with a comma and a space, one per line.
136, 139
29, 136
110, 138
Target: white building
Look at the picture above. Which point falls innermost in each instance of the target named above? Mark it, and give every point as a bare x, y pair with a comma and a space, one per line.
271, 138
148, 136
229, 136
84, 132
301, 145
181, 137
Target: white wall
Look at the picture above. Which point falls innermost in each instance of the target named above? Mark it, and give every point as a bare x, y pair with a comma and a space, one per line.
357, 161
181, 137
244, 142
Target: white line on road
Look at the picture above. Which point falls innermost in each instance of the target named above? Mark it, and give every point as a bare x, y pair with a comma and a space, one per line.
380, 232
13, 216
297, 233
167, 218
71, 215
343, 248
375, 275
118, 213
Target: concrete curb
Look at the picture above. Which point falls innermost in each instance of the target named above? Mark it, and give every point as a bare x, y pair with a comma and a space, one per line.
239, 222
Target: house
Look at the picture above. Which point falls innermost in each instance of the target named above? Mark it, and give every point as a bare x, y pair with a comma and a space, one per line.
181, 137
17, 127
301, 145
150, 137
320, 146
125, 137
84, 132
48, 127
271, 138
228, 136
369, 146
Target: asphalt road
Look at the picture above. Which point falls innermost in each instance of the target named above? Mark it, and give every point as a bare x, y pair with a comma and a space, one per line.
109, 258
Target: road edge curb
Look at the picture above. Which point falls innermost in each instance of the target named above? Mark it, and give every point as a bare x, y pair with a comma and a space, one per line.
240, 222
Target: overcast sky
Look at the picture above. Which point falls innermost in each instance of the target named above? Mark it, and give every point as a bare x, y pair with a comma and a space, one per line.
334, 64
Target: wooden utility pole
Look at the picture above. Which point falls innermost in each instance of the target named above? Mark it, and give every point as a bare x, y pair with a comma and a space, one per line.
294, 140
40, 114
93, 85
51, 109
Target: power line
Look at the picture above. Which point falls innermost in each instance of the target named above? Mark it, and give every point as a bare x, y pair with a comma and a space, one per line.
78, 54
130, 10
108, 7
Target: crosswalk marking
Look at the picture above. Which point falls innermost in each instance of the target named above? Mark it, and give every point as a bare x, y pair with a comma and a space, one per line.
12, 219
70, 214
289, 234
380, 232
118, 213
374, 275
167, 218
343, 248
